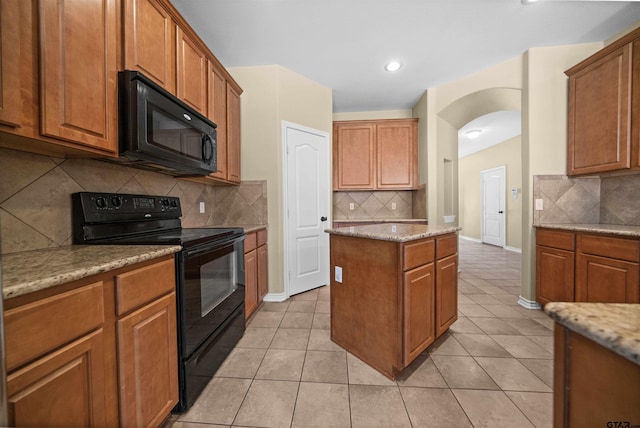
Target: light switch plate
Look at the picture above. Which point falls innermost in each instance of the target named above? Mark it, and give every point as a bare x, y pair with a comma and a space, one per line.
338, 275
201, 207
539, 205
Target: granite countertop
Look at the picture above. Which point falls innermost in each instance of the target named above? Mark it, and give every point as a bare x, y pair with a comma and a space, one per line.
394, 231
253, 228
379, 220
30, 271
616, 326
613, 229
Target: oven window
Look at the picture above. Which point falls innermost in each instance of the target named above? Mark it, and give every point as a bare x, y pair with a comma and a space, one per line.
173, 135
217, 282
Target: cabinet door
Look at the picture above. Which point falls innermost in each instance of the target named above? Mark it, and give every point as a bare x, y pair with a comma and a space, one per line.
419, 317
78, 91
218, 113
600, 115
251, 282
65, 388
604, 280
10, 96
446, 293
554, 275
263, 272
191, 72
147, 363
149, 34
354, 156
397, 155
233, 134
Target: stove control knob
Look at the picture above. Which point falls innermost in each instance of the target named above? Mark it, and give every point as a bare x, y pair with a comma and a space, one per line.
101, 202
174, 203
116, 201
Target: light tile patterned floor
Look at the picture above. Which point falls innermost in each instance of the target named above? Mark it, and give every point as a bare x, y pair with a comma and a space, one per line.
493, 369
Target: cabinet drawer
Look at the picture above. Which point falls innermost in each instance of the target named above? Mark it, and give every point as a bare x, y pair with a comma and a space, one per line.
446, 245
615, 248
39, 327
262, 237
135, 288
418, 253
250, 242
556, 239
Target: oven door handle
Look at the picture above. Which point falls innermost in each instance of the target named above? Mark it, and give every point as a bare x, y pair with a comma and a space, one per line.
208, 249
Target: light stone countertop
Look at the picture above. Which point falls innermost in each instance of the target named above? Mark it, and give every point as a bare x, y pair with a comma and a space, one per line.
252, 228
614, 229
30, 271
383, 220
616, 326
394, 231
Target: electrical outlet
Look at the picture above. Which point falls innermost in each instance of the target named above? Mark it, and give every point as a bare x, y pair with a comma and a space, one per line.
338, 275
352, 206
201, 207
539, 205
393, 205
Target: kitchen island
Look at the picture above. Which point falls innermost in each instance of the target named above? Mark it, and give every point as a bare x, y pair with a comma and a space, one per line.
596, 364
394, 290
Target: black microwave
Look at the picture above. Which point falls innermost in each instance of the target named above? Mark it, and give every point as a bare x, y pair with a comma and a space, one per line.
159, 132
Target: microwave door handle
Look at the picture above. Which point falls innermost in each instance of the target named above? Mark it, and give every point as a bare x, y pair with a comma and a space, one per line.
207, 149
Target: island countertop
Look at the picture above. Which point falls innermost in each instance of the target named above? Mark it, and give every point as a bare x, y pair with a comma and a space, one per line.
30, 271
616, 326
394, 231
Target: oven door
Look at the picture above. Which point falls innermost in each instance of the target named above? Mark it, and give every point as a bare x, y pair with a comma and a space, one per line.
213, 289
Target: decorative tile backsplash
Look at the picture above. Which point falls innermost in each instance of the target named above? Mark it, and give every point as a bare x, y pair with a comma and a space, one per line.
372, 205
605, 200
35, 197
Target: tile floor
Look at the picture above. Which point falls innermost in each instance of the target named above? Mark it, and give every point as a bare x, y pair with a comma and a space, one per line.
493, 369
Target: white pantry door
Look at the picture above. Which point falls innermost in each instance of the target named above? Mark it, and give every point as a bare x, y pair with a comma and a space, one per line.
306, 207
493, 206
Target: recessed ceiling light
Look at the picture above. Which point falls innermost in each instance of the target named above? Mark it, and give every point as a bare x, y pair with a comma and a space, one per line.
528, 2
393, 66
473, 134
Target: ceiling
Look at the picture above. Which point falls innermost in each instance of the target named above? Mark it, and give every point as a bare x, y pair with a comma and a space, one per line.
344, 44
495, 128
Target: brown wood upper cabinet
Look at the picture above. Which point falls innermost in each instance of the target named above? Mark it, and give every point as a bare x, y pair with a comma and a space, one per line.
78, 94
149, 41
191, 72
58, 70
604, 100
10, 98
375, 155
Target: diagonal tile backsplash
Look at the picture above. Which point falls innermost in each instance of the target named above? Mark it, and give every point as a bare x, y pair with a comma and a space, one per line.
373, 205
35, 197
605, 200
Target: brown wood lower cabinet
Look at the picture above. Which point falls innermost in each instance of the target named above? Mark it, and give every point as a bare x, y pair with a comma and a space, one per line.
394, 299
100, 351
256, 270
592, 385
586, 267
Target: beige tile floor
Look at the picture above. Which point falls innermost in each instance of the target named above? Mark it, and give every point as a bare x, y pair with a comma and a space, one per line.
493, 369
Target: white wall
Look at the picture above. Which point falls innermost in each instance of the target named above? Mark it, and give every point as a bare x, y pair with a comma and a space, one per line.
272, 94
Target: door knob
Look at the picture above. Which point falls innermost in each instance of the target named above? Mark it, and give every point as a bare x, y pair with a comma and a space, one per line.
500, 212
323, 218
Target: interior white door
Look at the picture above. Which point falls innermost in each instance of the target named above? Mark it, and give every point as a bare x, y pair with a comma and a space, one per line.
306, 208
493, 206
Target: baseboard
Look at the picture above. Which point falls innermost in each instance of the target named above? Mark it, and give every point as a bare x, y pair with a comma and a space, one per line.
514, 249
468, 238
275, 297
529, 304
